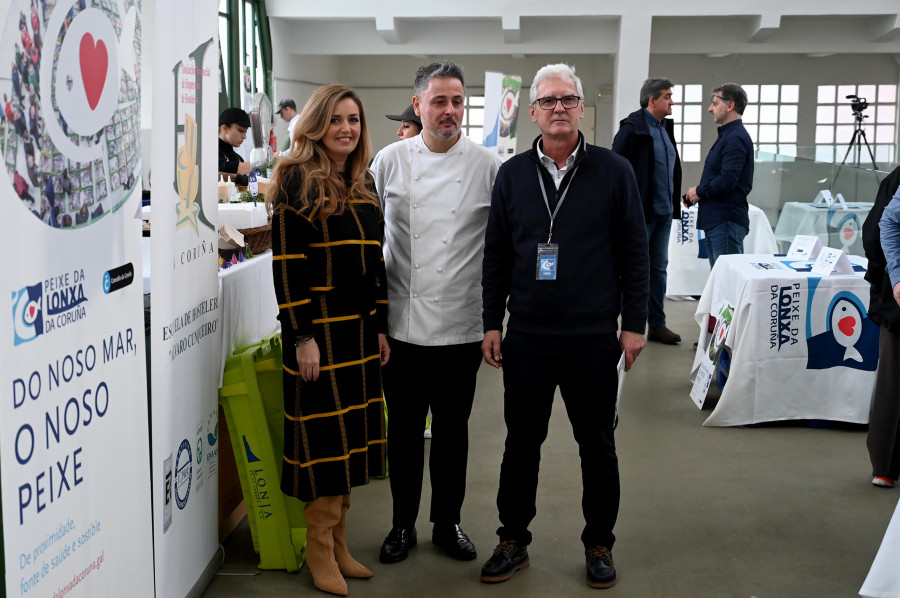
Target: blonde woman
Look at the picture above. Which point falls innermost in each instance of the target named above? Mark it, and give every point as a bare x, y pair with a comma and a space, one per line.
328, 268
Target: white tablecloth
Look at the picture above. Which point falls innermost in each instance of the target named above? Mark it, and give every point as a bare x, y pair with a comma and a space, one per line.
883, 580
835, 227
247, 303
688, 261
238, 215
802, 346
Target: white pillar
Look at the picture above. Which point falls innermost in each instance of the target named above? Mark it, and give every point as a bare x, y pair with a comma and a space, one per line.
632, 64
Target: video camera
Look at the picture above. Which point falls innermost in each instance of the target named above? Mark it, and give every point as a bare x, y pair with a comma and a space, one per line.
857, 103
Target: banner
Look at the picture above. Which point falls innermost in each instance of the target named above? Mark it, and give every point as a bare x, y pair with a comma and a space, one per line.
185, 333
74, 469
501, 112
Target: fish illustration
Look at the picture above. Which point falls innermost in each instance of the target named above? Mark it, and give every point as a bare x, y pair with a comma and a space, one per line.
846, 326
849, 228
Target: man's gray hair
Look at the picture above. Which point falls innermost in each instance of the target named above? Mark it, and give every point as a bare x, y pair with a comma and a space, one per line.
444, 68
555, 71
653, 88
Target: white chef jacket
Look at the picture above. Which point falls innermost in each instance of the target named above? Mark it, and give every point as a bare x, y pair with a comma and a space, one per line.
436, 208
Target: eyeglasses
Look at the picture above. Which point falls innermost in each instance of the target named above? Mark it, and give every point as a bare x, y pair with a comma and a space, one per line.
549, 102
713, 99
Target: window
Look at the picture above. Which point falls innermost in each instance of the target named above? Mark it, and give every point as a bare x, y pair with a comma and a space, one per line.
245, 50
688, 114
771, 117
836, 123
473, 119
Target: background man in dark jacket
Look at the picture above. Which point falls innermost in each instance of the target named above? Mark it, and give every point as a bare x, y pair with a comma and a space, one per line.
646, 138
566, 243
883, 440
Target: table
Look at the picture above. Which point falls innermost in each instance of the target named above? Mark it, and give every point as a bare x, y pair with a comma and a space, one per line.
884, 577
688, 262
835, 226
248, 309
802, 346
238, 215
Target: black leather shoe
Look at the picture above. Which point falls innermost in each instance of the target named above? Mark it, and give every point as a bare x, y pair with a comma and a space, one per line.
454, 541
395, 547
600, 570
661, 334
508, 558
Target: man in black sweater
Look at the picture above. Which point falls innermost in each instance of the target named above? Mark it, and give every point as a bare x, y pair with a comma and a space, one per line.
566, 244
646, 138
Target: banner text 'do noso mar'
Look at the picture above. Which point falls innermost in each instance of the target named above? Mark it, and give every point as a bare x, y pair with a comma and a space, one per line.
74, 440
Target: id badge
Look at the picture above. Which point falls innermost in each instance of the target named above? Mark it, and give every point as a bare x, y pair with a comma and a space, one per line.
547, 261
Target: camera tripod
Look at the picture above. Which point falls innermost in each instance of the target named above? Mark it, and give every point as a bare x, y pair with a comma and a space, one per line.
857, 140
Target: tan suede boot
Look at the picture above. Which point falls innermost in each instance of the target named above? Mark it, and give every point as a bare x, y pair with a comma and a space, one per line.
322, 515
348, 565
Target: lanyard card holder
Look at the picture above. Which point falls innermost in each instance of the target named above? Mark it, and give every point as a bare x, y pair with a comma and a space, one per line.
547, 261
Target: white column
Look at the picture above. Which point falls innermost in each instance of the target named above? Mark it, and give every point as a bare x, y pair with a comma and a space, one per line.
632, 64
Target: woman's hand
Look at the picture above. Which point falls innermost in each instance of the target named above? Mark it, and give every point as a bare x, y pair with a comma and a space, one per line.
308, 360
383, 348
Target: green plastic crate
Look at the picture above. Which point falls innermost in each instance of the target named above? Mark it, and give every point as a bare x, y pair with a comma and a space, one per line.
252, 397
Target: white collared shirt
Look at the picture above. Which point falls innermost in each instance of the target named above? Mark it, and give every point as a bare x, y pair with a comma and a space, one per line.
556, 172
436, 208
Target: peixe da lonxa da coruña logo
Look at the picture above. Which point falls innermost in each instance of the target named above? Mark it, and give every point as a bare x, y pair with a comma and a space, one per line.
53, 303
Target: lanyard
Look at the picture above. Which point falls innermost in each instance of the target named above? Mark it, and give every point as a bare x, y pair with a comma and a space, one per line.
558, 203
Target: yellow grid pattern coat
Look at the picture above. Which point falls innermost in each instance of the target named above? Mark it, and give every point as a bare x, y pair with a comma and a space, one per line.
330, 282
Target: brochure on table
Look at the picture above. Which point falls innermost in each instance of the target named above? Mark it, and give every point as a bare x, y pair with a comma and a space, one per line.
712, 354
825, 197
805, 247
832, 261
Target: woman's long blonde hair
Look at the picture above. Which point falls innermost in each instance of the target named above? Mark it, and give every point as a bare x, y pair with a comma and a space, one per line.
323, 191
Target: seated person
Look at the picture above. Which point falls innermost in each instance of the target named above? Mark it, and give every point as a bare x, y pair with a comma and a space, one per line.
233, 125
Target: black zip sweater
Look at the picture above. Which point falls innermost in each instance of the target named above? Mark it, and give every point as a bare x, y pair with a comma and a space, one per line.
604, 266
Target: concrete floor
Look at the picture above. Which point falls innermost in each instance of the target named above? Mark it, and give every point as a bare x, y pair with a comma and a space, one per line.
770, 512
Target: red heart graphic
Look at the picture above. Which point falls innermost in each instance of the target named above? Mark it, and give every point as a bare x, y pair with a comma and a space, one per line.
846, 325
30, 311
508, 105
94, 62
848, 233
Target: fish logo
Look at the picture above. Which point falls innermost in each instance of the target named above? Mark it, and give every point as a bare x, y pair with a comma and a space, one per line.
845, 323
849, 230
28, 320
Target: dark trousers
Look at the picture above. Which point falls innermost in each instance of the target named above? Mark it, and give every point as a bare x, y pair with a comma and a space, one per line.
883, 440
415, 378
584, 368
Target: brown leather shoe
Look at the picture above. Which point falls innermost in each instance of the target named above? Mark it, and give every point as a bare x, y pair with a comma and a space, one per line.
601, 573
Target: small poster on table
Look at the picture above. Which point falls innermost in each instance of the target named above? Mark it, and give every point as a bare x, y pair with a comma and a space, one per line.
830, 261
712, 352
805, 247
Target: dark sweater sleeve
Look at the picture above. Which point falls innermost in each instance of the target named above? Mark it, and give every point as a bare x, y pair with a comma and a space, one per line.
633, 260
496, 276
290, 239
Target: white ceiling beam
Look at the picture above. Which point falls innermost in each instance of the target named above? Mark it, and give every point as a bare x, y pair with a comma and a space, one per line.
763, 27
386, 27
887, 29
512, 29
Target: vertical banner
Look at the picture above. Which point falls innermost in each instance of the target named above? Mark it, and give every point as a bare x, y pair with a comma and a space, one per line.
74, 467
501, 112
185, 333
